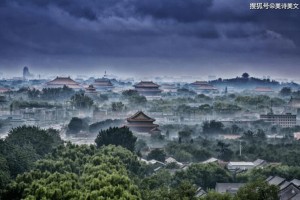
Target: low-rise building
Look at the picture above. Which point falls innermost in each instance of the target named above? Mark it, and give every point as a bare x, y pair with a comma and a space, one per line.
230, 188
103, 84
288, 190
4, 90
260, 163
170, 160
230, 136
275, 180
240, 165
200, 192
264, 90
283, 120
210, 160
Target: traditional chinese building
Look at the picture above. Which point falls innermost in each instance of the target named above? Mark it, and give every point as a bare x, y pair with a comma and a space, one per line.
103, 84
140, 122
60, 82
90, 90
202, 87
263, 90
155, 130
148, 89
4, 90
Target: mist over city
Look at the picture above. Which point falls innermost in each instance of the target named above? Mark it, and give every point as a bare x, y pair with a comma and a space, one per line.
143, 100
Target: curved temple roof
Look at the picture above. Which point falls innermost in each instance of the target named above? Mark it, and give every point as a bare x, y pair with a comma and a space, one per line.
140, 116
61, 81
146, 84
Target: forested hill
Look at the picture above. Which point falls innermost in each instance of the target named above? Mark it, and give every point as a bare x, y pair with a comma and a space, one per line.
245, 81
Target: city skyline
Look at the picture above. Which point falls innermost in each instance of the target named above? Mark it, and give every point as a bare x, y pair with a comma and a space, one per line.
34, 75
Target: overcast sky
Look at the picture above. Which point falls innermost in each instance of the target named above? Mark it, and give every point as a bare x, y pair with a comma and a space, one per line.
148, 37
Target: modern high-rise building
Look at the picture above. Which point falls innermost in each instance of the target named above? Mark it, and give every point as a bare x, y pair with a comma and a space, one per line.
26, 73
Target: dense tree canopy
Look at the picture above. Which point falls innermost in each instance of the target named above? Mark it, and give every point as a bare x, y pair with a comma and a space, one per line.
4, 172
113, 172
204, 175
78, 172
117, 106
286, 91
245, 75
76, 125
130, 93
97, 126
22, 147
50, 93
187, 152
212, 127
134, 97
42, 141
81, 101
157, 154
258, 190
185, 135
116, 136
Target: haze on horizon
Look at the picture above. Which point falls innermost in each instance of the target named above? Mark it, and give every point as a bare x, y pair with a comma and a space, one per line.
138, 38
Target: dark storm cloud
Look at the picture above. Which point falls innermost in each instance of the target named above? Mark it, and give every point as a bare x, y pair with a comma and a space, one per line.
189, 30
182, 11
